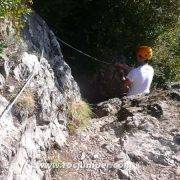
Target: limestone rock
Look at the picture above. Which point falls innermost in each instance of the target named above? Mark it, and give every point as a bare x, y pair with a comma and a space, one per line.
2, 81
10, 88
26, 139
109, 107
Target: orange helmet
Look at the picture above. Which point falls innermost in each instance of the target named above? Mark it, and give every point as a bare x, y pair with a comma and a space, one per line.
145, 52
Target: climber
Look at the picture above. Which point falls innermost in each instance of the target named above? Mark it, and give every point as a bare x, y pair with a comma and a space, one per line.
139, 79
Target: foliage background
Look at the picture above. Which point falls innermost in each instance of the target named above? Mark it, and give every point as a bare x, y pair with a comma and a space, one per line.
105, 28
166, 59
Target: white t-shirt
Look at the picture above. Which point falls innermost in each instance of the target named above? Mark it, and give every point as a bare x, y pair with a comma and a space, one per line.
141, 78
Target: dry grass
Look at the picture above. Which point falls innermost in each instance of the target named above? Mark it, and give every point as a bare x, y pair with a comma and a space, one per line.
79, 115
26, 101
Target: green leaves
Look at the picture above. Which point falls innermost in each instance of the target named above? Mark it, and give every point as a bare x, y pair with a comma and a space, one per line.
115, 25
166, 56
106, 27
14, 10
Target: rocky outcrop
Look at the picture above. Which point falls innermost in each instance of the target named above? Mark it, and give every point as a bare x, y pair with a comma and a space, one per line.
131, 138
38, 118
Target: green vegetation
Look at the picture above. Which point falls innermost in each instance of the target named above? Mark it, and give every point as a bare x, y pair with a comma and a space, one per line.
14, 10
166, 59
107, 27
2, 46
79, 115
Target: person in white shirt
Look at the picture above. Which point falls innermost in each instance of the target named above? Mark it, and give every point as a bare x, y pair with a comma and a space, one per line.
139, 79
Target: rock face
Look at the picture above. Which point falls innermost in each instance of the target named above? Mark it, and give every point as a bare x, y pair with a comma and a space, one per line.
134, 137
38, 120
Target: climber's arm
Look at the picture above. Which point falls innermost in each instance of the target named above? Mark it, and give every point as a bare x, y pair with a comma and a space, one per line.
127, 82
129, 79
123, 67
126, 85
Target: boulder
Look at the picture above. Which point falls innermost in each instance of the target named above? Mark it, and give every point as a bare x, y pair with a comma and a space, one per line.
110, 107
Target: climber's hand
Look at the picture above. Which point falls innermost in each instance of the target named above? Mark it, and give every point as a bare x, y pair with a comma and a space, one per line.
126, 84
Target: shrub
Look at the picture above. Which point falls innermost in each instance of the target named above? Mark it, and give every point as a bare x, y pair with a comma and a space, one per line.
14, 10
79, 115
104, 28
166, 59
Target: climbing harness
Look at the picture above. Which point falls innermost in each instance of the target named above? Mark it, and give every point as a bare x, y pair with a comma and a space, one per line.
81, 52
